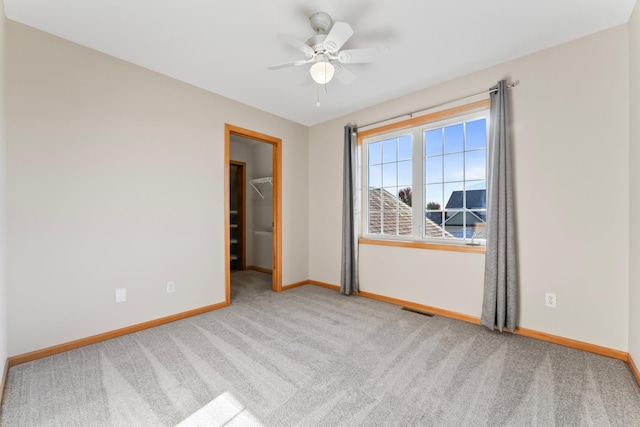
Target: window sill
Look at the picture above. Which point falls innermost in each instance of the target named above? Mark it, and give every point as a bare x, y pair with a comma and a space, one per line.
423, 245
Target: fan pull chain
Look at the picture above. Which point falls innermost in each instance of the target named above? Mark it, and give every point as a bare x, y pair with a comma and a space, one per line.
324, 90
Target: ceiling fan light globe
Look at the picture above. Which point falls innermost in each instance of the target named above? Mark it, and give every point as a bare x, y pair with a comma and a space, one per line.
322, 72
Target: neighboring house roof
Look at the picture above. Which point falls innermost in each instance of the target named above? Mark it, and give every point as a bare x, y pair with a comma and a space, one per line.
476, 199
396, 217
472, 218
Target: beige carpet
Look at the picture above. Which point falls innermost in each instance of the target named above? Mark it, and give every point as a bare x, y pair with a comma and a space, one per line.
309, 356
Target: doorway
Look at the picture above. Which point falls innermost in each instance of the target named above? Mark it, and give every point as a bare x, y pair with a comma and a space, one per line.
269, 186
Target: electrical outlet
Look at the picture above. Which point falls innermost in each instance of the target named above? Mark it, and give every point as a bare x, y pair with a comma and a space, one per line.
171, 287
121, 295
550, 300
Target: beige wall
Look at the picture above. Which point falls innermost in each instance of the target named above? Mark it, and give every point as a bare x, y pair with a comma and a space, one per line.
3, 198
115, 179
570, 136
634, 163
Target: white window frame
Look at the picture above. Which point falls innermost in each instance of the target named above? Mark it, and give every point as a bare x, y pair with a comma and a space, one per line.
416, 129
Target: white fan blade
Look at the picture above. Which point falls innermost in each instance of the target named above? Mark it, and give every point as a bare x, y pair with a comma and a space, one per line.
344, 75
355, 56
339, 34
289, 64
296, 42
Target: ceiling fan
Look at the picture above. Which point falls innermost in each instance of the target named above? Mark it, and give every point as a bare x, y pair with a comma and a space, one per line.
323, 50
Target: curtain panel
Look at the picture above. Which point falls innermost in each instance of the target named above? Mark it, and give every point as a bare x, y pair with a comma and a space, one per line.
499, 306
349, 277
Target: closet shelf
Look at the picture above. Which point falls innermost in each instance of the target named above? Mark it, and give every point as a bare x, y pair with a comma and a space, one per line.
269, 234
257, 181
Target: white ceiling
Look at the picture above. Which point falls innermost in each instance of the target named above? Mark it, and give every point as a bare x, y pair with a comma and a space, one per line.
226, 46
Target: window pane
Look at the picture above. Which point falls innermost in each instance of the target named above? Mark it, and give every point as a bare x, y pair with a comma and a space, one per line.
482, 218
476, 134
476, 199
453, 167
389, 223
433, 169
478, 231
433, 197
390, 198
390, 175
397, 215
433, 211
375, 176
375, 222
404, 147
405, 215
476, 218
375, 153
390, 211
476, 195
405, 195
375, 209
453, 197
454, 231
475, 165
404, 226
404, 173
476, 185
433, 225
453, 138
433, 142
389, 150
390, 194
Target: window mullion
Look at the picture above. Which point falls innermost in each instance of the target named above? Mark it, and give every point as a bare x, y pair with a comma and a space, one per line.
364, 179
464, 181
417, 184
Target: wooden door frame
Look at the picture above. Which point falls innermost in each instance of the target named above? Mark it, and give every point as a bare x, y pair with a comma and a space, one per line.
241, 211
276, 143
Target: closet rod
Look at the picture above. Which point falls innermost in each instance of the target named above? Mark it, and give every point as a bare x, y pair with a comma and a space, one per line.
512, 85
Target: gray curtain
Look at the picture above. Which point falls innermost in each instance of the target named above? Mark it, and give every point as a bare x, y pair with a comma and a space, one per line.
499, 306
349, 277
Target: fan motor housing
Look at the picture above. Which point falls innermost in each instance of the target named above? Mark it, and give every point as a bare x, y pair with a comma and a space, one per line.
321, 22
317, 42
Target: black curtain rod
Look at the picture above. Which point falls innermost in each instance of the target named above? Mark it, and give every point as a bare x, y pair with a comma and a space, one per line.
512, 85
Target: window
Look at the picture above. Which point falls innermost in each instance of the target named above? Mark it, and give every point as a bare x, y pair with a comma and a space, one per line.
427, 182
389, 172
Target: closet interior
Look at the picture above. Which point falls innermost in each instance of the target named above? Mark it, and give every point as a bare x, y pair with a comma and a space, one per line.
250, 204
